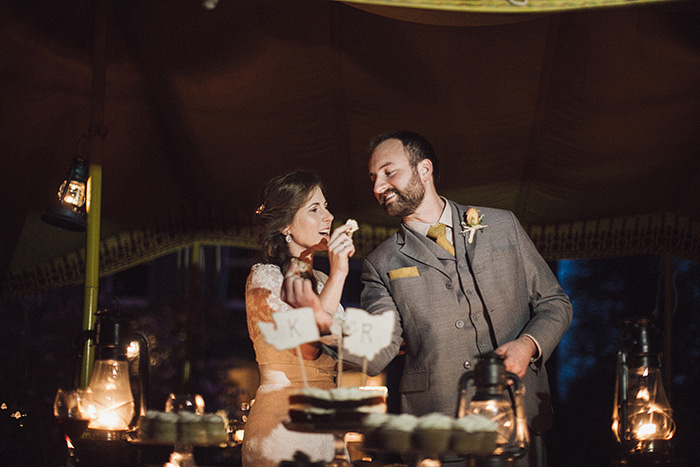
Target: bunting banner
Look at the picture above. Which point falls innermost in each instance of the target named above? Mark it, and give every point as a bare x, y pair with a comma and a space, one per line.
652, 234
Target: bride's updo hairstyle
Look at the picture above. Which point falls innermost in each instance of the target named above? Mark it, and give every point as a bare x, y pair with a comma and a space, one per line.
281, 198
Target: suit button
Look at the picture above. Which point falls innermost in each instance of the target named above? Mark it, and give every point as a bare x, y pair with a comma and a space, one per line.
467, 365
448, 285
459, 324
475, 318
470, 292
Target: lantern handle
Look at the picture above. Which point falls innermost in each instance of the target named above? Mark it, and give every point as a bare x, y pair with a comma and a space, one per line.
462, 393
143, 374
522, 433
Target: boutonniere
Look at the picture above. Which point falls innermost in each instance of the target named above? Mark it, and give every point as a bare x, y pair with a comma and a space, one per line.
472, 222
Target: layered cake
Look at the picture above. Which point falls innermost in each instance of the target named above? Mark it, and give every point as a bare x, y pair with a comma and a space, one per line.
192, 429
158, 427
216, 427
337, 406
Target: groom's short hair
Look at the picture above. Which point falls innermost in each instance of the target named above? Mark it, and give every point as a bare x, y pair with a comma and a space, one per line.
416, 146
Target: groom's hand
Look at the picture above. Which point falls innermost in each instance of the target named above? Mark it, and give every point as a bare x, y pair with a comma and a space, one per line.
517, 354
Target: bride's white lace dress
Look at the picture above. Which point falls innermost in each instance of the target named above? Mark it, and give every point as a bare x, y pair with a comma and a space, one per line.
266, 441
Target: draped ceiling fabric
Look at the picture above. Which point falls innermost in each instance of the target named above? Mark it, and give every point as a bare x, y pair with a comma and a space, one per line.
413, 7
584, 122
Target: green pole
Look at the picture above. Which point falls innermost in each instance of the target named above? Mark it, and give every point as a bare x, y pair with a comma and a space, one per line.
96, 136
92, 265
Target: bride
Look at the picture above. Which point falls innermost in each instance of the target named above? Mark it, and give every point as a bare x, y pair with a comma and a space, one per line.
294, 223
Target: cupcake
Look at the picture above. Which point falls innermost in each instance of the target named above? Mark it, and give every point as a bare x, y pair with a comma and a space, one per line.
371, 429
432, 433
395, 434
474, 435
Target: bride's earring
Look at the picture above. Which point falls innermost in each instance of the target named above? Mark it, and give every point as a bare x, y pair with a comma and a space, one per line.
288, 237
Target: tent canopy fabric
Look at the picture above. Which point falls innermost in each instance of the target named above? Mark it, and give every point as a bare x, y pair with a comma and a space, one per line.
585, 123
524, 7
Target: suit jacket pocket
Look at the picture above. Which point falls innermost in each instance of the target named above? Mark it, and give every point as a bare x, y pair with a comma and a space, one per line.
414, 382
410, 271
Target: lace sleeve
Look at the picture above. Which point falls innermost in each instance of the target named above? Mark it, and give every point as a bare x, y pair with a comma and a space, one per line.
262, 298
321, 277
262, 295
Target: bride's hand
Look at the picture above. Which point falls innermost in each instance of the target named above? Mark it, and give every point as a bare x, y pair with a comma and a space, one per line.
340, 249
298, 292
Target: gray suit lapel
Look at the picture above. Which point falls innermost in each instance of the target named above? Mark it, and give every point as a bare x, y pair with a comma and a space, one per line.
413, 247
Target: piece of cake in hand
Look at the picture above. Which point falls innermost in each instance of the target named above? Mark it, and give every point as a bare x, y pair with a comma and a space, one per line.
302, 266
353, 227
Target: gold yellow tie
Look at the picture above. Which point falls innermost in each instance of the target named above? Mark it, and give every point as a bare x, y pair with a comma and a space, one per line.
437, 233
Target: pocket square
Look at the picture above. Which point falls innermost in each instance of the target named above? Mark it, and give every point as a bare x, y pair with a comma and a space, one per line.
410, 271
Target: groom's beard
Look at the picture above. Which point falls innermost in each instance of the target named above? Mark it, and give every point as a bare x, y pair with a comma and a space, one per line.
406, 201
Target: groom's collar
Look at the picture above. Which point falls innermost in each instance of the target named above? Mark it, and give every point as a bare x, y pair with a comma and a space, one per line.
445, 218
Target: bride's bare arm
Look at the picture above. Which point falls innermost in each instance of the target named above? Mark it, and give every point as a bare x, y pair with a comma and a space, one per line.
340, 249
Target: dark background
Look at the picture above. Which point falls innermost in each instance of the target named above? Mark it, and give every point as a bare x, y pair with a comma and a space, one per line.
38, 349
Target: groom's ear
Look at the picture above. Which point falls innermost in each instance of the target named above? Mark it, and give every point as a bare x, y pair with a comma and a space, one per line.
425, 170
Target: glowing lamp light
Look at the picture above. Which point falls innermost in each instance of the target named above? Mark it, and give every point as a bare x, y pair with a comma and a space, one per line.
108, 399
489, 401
71, 213
73, 195
642, 417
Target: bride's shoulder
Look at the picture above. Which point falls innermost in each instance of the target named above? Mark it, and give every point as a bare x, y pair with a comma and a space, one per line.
264, 267
264, 271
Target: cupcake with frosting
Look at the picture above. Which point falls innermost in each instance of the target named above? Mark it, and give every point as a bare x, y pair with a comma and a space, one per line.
371, 429
474, 435
432, 433
395, 435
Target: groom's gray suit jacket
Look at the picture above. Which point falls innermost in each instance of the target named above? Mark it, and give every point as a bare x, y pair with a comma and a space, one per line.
443, 305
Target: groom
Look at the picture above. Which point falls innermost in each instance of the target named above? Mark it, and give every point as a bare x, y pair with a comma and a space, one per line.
458, 295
